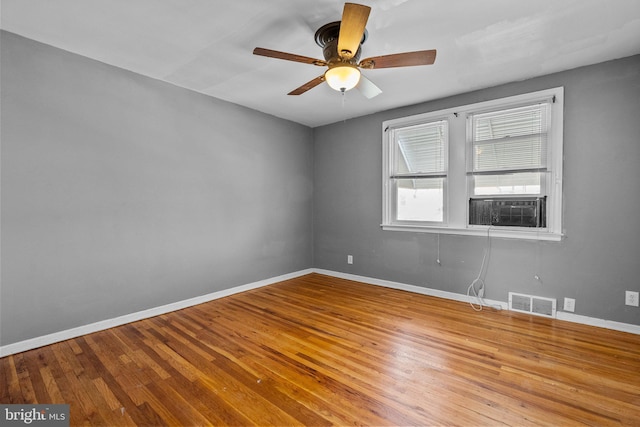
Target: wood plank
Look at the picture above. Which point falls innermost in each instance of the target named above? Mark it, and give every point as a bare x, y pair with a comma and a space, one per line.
84, 410
25, 379
10, 392
318, 350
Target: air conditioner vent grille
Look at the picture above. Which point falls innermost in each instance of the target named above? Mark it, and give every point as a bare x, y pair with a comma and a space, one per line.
509, 212
540, 306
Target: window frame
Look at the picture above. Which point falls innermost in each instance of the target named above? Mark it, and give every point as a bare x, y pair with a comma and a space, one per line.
458, 188
393, 174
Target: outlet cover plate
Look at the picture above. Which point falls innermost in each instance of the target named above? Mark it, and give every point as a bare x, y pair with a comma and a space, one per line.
631, 298
569, 304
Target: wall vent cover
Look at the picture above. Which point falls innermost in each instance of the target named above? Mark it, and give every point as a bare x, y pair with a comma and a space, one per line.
531, 304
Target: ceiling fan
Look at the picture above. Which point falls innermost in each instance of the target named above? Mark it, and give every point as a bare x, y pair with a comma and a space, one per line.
341, 42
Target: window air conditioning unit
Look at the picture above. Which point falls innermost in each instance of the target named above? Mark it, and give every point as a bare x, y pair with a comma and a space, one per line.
509, 212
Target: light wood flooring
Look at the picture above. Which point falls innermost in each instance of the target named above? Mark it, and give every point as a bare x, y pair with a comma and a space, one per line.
321, 351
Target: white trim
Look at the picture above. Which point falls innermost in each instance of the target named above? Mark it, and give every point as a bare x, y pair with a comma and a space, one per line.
479, 230
152, 312
560, 315
140, 315
600, 323
412, 288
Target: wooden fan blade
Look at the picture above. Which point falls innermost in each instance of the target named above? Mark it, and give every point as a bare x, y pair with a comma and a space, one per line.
368, 88
307, 86
288, 56
407, 59
352, 26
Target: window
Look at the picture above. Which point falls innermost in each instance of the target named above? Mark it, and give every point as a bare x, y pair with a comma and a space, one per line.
509, 150
494, 164
418, 172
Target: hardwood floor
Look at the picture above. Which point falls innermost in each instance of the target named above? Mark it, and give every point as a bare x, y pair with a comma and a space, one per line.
319, 351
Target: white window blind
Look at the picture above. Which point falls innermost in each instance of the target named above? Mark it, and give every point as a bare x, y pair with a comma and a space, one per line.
421, 150
509, 150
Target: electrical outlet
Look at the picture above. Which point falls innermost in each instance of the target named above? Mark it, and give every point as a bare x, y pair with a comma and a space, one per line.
349, 259
569, 304
631, 298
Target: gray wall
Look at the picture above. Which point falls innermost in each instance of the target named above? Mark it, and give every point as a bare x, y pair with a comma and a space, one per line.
597, 261
122, 193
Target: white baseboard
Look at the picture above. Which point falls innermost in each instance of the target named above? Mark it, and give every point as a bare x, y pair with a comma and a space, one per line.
145, 314
600, 323
561, 315
140, 315
413, 288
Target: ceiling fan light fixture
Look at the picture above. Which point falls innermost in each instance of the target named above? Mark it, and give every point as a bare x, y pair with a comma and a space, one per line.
342, 77
341, 43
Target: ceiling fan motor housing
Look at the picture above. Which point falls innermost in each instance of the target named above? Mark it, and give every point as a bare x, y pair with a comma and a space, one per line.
327, 38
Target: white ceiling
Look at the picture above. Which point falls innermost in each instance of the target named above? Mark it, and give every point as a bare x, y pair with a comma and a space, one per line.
206, 45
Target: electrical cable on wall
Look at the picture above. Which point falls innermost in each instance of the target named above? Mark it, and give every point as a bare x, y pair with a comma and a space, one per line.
479, 281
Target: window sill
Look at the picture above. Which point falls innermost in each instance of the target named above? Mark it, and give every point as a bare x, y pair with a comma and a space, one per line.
519, 233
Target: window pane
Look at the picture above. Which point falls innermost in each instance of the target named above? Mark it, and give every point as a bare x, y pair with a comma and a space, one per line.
510, 139
516, 183
421, 149
420, 199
